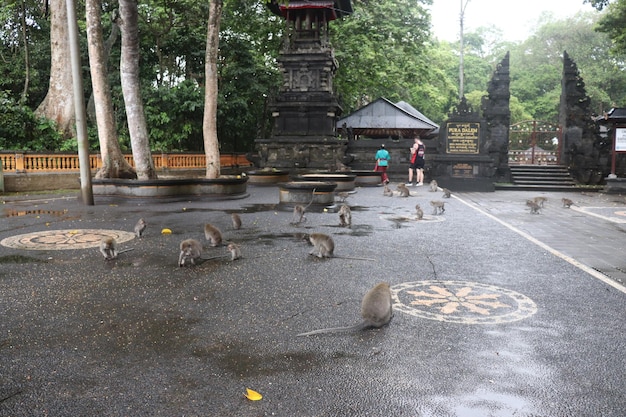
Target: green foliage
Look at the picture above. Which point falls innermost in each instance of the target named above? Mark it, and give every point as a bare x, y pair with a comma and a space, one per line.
612, 23
21, 129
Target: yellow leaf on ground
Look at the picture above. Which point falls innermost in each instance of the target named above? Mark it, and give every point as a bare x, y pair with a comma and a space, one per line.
252, 395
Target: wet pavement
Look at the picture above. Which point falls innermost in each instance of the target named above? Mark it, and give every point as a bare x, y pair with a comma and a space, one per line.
498, 312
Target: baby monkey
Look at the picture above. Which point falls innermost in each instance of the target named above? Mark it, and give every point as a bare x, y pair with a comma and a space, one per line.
213, 235
376, 311
236, 220
108, 248
419, 212
404, 190
345, 216
433, 186
438, 207
387, 191
140, 227
567, 203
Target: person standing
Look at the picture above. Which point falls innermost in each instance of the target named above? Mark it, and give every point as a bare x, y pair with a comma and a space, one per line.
417, 163
382, 162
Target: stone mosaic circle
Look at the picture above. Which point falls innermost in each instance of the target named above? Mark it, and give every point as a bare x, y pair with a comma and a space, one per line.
64, 239
461, 302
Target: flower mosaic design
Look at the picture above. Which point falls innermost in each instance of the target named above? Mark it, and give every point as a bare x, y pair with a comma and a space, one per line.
64, 239
461, 302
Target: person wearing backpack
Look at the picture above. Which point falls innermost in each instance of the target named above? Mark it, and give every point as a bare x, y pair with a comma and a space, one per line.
417, 163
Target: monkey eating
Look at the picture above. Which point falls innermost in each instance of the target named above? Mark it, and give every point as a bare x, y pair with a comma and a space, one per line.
108, 248
345, 216
376, 311
213, 235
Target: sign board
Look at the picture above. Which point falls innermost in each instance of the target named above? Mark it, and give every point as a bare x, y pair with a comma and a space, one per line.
620, 139
462, 171
463, 137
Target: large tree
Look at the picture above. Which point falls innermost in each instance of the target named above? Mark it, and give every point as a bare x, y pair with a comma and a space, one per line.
131, 87
58, 105
209, 124
114, 164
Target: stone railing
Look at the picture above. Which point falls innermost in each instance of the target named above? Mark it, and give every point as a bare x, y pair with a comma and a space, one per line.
526, 158
32, 162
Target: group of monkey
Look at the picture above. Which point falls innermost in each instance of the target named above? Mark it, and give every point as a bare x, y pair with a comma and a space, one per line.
437, 205
537, 203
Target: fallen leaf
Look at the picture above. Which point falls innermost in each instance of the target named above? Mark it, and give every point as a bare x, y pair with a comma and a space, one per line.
252, 395
166, 232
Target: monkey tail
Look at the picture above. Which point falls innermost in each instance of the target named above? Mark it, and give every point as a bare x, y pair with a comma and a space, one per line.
357, 327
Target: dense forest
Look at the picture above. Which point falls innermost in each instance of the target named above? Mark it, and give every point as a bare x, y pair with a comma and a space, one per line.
384, 49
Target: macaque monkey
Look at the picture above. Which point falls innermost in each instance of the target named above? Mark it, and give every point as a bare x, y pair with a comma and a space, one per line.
299, 210
438, 207
140, 227
376, 311
190, 250
433, 186
419, 212
345, 216
212, 234
108, 248
235, 251
534, 207
323, 245
404, 190
540, 200
446, 193
342, 195
387, 191
567, 203
234, 217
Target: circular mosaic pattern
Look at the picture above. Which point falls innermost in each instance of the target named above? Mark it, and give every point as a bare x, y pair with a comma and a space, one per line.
461, 302
64, 239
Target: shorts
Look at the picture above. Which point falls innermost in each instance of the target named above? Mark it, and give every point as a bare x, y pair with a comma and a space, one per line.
418, 164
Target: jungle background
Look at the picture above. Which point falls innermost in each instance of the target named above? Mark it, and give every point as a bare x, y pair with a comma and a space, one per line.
385, 49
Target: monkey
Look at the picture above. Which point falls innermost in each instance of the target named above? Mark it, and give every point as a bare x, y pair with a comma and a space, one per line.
190, 250
567, 203
419, 212
213, 235
236, 219
324, 247
376, 311
299, 210
345, 216
387, 191
404, 191
446, 193
235, 251
108, 248
343, 195
433, 186
534, 207
140, 227
540, 200
438, 206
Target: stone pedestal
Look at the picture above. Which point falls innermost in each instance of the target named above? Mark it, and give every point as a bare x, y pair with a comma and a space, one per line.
345, 182
305, 192
615, 185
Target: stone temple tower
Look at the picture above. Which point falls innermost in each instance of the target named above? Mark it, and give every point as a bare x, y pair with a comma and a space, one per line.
306, 109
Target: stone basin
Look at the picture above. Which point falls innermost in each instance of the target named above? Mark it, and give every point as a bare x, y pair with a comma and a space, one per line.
344, 181
366, 178
224, 186
267, 177
305, 192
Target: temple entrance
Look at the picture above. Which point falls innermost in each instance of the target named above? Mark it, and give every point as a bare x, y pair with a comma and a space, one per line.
534, 142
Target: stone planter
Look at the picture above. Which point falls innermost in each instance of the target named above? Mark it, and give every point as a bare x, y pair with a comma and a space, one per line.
305, 192
267, 177
365, 178
226, 186
345, 182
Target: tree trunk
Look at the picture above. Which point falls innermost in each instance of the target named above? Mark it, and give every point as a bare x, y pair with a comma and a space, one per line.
209, 122
113, 163
129, 71
58, 105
